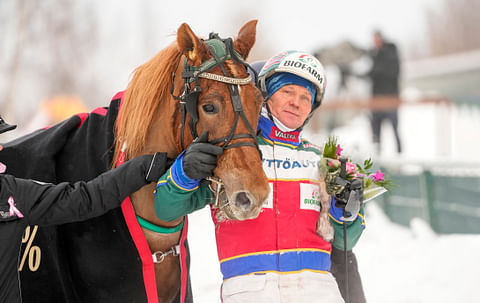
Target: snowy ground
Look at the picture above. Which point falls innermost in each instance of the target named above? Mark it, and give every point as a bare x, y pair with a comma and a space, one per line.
397, 264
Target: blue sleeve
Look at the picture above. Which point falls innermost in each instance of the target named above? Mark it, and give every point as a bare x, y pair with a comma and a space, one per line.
179, 177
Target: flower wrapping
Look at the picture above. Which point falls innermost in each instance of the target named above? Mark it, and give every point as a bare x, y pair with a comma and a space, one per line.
374, 183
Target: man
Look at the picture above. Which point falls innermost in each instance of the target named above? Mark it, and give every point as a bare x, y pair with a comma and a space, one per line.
277, 257
384, 76
27, 202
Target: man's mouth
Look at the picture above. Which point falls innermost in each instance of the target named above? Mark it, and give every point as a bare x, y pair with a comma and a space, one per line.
291, 113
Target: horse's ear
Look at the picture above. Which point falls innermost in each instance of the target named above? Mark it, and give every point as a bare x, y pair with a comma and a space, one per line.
189, 44
246, 38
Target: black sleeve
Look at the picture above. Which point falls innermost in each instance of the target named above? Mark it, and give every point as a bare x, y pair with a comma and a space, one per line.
46, 204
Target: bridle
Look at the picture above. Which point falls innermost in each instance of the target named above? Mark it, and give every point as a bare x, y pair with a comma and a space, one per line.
220, 50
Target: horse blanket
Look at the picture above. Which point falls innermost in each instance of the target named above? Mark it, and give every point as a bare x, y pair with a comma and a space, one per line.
105, 259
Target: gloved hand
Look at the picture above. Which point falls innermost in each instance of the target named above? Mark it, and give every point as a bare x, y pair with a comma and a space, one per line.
200, 158
350, 198
348, 194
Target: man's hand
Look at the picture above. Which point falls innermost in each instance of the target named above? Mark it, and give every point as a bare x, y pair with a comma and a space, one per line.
200, 158
348, 194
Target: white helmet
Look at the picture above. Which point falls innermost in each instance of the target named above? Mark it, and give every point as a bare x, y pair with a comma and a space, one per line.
299, 63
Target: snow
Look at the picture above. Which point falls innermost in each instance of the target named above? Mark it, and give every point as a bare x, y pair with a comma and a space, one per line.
397, 264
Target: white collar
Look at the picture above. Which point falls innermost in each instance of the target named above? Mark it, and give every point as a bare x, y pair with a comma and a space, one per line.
277, 122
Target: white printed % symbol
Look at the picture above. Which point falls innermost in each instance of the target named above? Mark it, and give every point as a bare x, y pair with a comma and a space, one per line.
33, 252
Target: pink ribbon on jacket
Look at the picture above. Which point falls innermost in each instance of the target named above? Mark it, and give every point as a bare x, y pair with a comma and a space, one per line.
13, 209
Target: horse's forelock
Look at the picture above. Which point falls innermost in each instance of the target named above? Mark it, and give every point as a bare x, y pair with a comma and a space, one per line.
234, 68
146, 92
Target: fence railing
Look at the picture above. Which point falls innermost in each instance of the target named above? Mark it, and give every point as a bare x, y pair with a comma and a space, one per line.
446, 196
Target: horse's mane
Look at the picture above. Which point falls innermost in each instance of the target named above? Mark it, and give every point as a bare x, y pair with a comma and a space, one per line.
145, 94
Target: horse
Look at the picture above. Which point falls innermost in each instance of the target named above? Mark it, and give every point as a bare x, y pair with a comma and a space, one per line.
129, 255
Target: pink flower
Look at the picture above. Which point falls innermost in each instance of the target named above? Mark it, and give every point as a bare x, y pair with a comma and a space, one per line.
339, 150
334, 163
350, 167
378, 176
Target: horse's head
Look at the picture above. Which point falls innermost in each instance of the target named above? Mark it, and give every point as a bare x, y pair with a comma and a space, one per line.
193, 86
220, 98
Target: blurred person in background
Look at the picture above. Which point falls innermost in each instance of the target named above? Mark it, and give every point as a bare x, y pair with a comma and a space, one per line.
384, 75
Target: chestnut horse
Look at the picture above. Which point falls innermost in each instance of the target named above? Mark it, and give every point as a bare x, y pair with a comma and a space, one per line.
191, 86
150, 121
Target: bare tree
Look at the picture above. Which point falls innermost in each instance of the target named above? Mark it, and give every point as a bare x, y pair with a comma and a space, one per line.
22, 13
454, 28
52, 43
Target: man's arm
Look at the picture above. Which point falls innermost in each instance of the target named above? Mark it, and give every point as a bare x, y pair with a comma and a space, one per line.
176, 195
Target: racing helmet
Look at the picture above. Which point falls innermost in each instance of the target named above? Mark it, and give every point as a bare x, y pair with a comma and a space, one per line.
298, 63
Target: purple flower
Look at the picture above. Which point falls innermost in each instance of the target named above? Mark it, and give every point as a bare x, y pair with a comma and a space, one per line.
377, 177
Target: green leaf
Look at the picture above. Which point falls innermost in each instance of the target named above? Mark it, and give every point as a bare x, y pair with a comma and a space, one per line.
330, 148
368, 164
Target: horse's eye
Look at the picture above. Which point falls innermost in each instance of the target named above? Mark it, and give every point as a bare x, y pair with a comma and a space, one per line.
210, 108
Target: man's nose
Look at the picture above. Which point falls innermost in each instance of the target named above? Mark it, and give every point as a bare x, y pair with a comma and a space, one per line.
295, 100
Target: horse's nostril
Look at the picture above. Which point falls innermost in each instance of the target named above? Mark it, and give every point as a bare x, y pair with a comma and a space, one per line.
242, 201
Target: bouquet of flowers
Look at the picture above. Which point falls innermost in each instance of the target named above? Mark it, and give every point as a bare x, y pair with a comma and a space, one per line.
374, 183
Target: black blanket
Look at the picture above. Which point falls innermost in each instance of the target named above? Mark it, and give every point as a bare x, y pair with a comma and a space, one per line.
105, 259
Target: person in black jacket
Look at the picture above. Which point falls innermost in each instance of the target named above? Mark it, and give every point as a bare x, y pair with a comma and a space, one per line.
384, 76
27, 202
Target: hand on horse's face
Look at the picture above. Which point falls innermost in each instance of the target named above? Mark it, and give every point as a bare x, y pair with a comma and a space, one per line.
200, 158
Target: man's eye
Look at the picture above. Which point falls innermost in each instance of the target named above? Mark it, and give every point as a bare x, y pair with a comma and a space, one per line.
306, 98
210, 109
